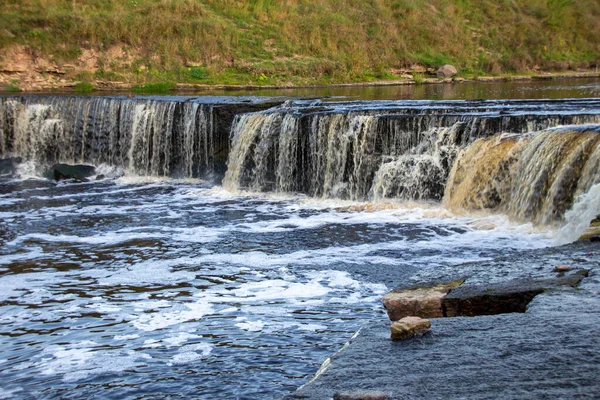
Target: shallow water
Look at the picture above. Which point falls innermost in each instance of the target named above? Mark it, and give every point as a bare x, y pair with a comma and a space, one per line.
140, 288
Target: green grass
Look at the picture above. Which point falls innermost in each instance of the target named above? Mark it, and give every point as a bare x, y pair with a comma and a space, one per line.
13, 86
265, 42
83, 87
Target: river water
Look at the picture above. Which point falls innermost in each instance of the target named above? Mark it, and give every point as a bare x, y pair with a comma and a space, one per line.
130, 287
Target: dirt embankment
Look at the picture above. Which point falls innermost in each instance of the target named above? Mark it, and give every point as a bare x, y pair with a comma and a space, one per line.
25, 69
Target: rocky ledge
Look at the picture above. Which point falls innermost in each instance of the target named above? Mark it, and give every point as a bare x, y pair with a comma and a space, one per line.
544, 343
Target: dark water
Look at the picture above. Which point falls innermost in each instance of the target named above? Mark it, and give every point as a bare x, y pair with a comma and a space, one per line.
151, 289
545, 89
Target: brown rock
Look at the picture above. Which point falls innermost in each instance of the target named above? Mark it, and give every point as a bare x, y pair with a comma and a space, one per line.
408, 327
561, 268
446, 71
416, 68
419, 302
362, 395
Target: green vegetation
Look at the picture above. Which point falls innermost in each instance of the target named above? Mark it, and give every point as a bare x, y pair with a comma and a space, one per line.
83, 87
13, 86
266, 42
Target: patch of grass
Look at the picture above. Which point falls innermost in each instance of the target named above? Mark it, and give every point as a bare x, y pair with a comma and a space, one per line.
418, 77
83, 87
197, 73
13, 86
155, 88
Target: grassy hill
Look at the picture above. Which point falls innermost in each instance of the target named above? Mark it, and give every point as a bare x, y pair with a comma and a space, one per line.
293, 41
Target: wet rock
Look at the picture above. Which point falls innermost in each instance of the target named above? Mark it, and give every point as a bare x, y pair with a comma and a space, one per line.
561, 268
507, 297
409, 327
362, 395
8, 166
419, 302
78, 172
446, 71
593, 231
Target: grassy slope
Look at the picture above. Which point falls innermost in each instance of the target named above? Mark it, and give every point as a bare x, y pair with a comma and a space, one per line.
301, 41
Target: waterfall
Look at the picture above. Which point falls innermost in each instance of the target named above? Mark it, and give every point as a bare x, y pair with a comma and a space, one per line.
506, 156
535, 177
376, 150
177, 137
578, 218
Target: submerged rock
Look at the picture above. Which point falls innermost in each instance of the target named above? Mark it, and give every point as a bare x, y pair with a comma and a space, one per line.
362, 395
419, 302
8, 166
446, 71
79, 172
409, 327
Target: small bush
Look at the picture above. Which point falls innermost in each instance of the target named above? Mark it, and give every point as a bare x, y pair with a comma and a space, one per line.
83, 87
197, 73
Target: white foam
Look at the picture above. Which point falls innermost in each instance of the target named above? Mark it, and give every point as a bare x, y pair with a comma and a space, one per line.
163, 319
191, 353
578, 218
126, 337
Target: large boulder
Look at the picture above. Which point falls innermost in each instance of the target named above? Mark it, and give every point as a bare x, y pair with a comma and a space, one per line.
8, 166
78, 172
423, 302
408, 327
446, 71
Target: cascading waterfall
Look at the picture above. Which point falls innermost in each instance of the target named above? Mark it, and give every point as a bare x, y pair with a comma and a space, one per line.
393, 150
535, 177
474, 155
156, 137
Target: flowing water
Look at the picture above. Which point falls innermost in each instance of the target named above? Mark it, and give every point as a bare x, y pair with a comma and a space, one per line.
153, 280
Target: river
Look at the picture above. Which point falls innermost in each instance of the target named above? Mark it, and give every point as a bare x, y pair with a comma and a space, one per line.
153, 280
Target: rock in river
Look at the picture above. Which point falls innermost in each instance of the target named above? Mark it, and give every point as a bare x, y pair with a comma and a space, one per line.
408, 327
66, 171
419, 302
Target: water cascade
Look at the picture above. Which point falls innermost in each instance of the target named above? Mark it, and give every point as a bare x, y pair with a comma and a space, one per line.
350, 150
535, 177
177, 137
376, 150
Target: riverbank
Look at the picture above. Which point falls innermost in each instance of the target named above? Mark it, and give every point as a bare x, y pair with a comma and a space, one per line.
552, 349
22, 80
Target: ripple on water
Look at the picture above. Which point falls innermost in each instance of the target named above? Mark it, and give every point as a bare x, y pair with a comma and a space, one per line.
121, 289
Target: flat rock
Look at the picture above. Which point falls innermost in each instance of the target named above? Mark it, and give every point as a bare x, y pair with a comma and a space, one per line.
423, 302
362, 395
408, 327
507, 297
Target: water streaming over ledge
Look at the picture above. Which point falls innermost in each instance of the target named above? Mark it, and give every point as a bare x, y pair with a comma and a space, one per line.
147, 136
377, 150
